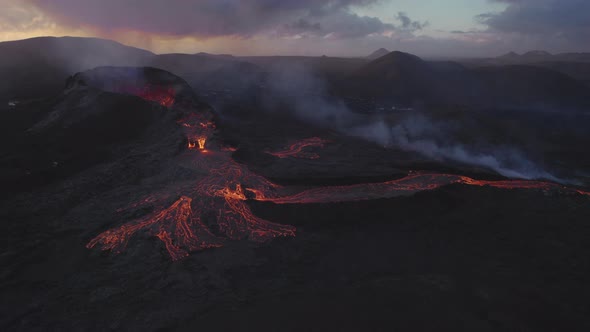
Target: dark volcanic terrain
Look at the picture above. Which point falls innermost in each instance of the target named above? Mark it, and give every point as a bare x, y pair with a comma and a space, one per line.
134, 198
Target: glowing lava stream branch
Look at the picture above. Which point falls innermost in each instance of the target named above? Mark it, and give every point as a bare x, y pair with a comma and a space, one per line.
177, 227
408, 185
295, 150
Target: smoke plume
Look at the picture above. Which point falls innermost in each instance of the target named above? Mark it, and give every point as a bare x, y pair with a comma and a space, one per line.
297, 89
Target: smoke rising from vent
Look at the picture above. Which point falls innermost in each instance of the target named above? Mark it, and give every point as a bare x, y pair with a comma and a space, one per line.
418, 133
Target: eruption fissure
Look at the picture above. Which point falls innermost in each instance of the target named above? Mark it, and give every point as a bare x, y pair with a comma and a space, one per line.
165, 96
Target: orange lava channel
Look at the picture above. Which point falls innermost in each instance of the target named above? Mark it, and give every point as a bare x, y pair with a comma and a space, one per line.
409, 185
296, 150
177, 227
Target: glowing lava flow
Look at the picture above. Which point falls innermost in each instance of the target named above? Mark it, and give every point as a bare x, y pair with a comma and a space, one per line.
198, 142
218, 202
295, 150
183, 231
177, 227
164, 96
201, 141
224, 190
408, 185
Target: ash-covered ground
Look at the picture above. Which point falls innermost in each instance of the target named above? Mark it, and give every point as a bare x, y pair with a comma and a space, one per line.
130, 204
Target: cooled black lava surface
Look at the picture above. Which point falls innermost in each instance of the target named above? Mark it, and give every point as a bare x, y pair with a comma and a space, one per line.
457, 258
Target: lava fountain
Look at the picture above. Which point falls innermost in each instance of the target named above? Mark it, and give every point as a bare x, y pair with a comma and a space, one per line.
201, 141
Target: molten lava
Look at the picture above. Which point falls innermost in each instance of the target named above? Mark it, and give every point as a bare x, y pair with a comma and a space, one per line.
197, 143
409, 185
220, 200
183, 231
198, 129
201, 141
224, 187
164, 96
177, 227
295, 150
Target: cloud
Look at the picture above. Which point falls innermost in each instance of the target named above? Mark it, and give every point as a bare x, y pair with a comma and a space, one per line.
16, 16
302, 27
408, 24
564, 23
221, 18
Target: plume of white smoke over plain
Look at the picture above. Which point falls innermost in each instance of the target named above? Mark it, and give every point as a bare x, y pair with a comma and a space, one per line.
420, 134
306, 95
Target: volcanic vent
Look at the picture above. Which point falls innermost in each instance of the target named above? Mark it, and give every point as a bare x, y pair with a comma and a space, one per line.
148, 83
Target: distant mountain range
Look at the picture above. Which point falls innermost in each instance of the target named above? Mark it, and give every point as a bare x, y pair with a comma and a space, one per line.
378, 53
575, 65
543, 56
407, 78
39, 67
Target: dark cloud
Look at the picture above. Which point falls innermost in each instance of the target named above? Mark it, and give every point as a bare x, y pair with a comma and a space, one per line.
301, 27
408, 24
350, 25
564, 21
215, 18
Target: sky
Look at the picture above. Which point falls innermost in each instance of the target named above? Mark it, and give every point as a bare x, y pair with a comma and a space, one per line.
429, 28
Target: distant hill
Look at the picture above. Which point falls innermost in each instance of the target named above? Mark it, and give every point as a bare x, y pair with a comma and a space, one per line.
408, 79
511, 56
38, 67
378, 53
540, 56
222, 56
534, 55
210, 72
397, 75
575, 65
532, 86
577, 70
